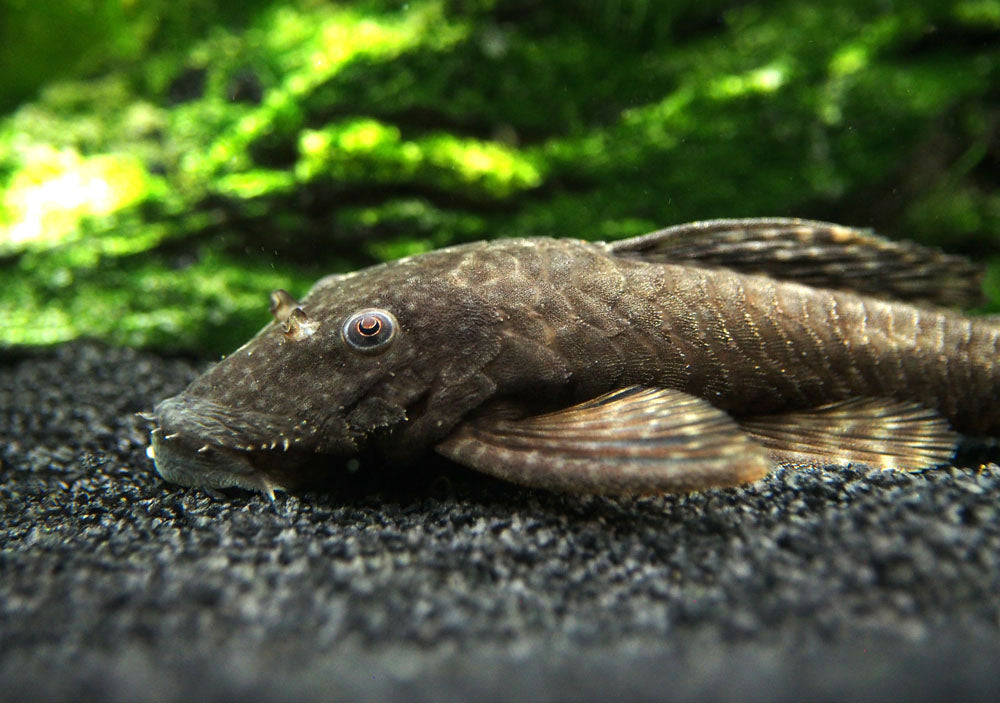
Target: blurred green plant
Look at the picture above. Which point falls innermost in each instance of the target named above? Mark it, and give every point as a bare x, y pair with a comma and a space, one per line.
180, 160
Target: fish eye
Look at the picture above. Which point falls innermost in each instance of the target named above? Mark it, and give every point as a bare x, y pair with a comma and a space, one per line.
370, 330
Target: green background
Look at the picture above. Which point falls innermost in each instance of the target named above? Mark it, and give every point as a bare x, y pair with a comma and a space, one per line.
165, 164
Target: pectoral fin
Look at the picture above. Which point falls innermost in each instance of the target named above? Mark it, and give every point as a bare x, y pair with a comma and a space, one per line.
817, 254
879, 432
632, 441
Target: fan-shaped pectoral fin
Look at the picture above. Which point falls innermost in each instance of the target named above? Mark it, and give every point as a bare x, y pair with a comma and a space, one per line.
631, 441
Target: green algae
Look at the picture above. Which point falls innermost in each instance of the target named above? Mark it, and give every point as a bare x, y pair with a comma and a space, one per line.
156, 202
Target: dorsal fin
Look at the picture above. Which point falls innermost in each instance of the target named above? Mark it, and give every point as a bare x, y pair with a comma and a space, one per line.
817, 254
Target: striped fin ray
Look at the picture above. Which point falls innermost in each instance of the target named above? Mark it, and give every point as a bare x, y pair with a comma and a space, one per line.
878, 432
818, 254
631, 441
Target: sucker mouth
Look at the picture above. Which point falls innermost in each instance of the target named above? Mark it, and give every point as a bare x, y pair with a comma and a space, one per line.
198, 442
179, 460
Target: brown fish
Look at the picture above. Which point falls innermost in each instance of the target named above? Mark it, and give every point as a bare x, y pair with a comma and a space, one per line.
701, 355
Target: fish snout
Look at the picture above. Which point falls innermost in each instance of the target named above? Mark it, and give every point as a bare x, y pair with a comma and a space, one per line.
197, 442
180, 461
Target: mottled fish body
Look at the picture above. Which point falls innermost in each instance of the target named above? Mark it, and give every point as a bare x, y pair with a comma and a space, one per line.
702, 355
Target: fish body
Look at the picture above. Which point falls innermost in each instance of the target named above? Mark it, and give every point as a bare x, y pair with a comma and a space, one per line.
701, 355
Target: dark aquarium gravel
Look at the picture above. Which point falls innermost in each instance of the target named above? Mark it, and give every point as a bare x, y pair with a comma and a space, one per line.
435, 583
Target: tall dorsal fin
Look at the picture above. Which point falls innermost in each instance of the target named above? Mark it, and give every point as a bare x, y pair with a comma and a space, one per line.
817, 254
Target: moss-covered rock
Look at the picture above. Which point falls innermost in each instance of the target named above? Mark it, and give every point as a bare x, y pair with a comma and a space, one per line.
158, 201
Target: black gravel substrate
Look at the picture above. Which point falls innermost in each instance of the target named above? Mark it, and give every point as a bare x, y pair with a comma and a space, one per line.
439, 584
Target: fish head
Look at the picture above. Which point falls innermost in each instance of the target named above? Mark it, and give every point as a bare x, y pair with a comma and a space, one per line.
383, 361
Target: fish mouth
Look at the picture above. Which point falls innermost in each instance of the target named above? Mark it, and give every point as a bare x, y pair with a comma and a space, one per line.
179, 460
200, 443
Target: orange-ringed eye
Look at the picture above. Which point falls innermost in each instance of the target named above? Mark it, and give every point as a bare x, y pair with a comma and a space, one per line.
370, 331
